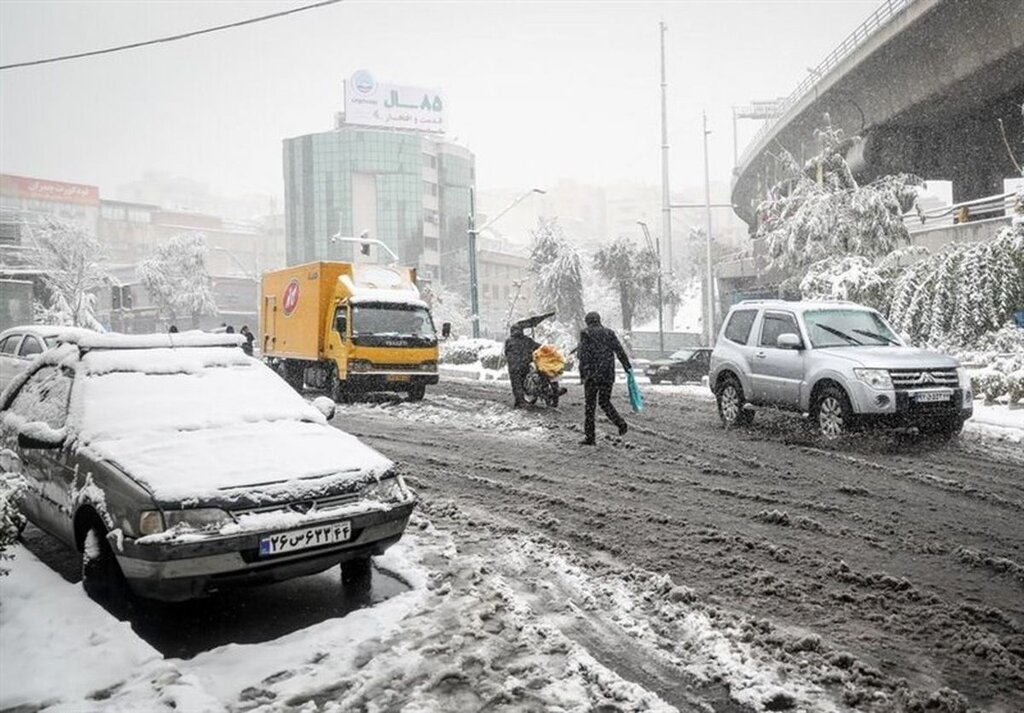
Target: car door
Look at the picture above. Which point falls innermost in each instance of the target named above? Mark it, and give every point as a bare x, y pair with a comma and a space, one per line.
780, 371
40, 408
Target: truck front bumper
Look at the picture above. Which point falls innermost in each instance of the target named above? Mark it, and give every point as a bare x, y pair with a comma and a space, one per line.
388, 381
905, 408
177, 571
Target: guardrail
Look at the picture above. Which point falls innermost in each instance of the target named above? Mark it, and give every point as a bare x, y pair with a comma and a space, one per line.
876, 21
977, 209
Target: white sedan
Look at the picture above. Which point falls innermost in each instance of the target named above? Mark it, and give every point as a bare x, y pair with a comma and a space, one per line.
18, 345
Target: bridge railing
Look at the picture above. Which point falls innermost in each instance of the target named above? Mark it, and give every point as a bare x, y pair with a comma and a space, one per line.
977, 209
877, 20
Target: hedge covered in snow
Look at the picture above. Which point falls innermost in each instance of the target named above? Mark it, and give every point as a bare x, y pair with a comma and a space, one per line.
11, 520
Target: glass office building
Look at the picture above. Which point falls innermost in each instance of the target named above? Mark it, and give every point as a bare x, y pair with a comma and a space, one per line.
409, 190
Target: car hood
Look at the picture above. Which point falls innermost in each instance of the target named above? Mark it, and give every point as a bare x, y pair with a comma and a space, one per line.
264, 461
889, 357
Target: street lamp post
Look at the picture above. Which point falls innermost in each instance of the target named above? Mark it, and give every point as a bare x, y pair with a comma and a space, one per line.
656, 247
473, 232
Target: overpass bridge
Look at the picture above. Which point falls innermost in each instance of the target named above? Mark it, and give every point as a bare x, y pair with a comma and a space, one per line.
923, 83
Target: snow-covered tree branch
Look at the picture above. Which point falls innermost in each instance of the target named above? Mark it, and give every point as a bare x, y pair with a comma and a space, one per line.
68, 256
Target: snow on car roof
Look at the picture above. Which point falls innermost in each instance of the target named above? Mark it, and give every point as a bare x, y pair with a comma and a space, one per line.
801, 306
194, 338
50, 330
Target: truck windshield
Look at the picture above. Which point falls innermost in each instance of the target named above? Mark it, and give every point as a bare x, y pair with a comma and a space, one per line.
848, 328
379, 319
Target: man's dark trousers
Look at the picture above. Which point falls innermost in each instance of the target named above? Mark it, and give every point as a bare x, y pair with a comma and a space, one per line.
599, 392
517, 376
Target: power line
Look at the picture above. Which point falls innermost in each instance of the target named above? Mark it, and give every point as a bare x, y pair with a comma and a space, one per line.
171, 38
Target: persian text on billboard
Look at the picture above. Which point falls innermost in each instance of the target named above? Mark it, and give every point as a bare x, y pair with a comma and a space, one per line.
370, 103
56, 191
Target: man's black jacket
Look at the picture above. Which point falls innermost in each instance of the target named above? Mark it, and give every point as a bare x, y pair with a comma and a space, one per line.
519, 350
598, 348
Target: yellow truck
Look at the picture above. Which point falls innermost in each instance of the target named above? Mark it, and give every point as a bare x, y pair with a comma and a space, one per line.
347, 328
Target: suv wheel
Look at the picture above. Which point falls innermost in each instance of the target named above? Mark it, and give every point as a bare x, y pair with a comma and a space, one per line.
833, 413
731, 403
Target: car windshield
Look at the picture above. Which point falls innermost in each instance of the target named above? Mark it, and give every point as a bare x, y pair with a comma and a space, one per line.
133, 391
682, 355
848, 328
397, 320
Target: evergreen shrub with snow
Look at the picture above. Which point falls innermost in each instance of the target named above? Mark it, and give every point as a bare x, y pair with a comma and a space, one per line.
557, 271
11, 520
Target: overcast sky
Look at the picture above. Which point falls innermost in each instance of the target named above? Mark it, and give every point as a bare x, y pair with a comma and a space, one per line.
539, 91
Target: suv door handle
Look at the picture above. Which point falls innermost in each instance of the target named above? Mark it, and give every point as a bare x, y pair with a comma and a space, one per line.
761, 355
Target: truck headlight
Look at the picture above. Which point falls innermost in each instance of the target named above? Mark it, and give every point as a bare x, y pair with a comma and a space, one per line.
389, 489
151, 522
875, 378
197, 518
359, 365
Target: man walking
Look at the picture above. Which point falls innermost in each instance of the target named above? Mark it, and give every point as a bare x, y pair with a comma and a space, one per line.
519, 350
597, 351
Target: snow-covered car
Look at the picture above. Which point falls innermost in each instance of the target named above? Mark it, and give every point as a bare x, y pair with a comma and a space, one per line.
19, 345
179, 465
838, 361
680, 367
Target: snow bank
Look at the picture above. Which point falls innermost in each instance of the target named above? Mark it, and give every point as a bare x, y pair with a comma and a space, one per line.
57, 644
193, 338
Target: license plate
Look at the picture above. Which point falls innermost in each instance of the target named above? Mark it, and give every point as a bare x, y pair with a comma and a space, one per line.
398, 377
927, 397
305, 538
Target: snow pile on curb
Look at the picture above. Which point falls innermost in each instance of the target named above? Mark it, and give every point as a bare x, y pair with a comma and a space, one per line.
441, 410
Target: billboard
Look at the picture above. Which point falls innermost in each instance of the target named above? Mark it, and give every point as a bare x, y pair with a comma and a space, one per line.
372, 103
56, 191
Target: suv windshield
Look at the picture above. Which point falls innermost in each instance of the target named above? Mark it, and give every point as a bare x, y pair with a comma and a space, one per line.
396, 320
848, 328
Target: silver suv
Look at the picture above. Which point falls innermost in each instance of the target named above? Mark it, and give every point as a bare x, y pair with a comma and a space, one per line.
837, 361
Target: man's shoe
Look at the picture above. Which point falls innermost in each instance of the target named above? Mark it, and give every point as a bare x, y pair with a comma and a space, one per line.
587, 442
623, 428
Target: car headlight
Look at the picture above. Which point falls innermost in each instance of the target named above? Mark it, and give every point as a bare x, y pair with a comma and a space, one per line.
875, 378
197, 518
389, 489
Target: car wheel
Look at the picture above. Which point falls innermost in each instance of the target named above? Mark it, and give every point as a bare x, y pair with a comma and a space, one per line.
678, 380
357, 573
417, 392
731, 403
833, 413
102, 578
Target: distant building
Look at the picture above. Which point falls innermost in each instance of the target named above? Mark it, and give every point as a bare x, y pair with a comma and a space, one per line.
407, 187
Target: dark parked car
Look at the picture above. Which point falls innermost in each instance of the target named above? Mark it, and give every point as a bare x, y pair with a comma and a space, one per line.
680, 367
178, 465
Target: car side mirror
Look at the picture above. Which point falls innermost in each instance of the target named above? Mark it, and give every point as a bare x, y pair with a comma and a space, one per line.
788, 340
325, 406
446, 330
31, 443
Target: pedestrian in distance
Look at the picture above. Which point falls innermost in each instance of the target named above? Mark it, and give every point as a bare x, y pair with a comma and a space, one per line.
229, 329
519, 350
597, 352
249, 339
173, 329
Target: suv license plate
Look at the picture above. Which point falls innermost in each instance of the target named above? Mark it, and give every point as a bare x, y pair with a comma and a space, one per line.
305, 538
927, 397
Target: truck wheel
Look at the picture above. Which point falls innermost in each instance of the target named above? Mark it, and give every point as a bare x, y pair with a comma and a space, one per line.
102, 579
417, 392
731, 402
833, 413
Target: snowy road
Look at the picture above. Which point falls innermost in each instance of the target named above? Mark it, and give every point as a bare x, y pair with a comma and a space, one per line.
880, 569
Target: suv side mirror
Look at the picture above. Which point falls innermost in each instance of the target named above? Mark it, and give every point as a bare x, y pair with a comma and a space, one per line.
788, 340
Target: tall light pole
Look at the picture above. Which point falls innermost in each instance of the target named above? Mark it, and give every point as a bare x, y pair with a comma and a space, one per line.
656, 247
710, 297
473, 232
666, 210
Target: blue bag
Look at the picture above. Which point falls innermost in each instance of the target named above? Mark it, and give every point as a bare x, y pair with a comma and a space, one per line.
636, 399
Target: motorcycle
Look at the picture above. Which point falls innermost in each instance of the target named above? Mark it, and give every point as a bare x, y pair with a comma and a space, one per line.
542, 381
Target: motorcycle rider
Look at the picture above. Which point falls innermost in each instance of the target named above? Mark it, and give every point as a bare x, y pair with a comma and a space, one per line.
519, 350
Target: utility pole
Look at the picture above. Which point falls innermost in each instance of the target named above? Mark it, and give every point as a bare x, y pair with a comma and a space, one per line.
656, 247
710, 297
474, 298
666, 210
